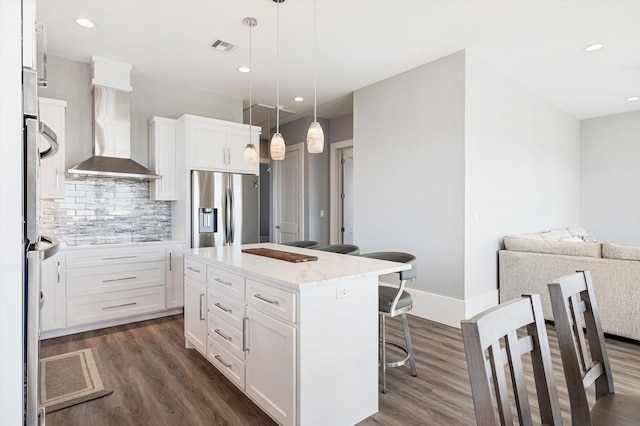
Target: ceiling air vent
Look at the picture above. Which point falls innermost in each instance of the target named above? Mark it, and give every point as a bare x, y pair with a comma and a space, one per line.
223, 46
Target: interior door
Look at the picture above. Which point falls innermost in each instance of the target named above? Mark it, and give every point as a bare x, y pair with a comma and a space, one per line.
347, 196
289, 196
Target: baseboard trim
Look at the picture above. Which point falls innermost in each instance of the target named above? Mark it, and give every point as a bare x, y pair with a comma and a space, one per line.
447, 310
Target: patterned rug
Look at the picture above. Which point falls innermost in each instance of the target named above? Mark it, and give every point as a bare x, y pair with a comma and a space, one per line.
71, 379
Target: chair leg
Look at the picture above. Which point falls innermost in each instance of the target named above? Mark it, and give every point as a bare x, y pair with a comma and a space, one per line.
383, 351
407, 338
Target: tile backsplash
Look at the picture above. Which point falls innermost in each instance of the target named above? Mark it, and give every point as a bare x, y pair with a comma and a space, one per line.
105, 210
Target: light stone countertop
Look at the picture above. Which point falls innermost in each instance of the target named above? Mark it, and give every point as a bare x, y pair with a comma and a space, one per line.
329, 268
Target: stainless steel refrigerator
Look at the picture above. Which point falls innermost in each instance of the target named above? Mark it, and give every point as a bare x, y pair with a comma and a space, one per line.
225, 209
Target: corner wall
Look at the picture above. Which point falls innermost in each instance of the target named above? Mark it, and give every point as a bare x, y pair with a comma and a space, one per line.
610, 172
522, 170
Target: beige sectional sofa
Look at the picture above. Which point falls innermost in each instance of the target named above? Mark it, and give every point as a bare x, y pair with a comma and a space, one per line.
530, 261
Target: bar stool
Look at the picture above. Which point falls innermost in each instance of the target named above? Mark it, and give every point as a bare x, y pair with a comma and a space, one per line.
340, 248
302, 244
392, 302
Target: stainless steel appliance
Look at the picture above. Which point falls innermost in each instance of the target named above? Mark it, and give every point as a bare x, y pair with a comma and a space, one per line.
37, 247
224, 209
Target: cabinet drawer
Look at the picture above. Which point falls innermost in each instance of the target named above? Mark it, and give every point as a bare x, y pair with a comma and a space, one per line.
195, 270
224, 361
225, 335
102, 307
105, 279
226, 282
271, 300
225, 308
114, 256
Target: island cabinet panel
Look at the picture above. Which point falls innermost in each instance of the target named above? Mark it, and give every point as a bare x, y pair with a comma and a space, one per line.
226, 282
195, 317
228, 364
271, 365
272, 300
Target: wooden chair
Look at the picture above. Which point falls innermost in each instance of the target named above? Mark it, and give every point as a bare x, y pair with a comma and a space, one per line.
584, 355
487, 357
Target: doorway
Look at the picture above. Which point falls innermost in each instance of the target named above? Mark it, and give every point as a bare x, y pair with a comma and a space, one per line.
288, 195
341, 192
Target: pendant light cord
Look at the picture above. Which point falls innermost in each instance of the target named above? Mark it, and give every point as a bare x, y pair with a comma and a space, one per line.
315, 59
250, 82
278, 67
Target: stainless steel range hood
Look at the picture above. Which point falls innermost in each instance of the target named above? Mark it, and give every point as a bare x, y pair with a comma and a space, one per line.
111, 125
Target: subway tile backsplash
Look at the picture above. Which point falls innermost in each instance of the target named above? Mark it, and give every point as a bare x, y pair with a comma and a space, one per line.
105, 210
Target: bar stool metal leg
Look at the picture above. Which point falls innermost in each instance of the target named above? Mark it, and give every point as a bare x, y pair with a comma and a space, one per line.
407, 339
383, 350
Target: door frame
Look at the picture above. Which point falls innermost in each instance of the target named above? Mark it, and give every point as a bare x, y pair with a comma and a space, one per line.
334, 190
276, 192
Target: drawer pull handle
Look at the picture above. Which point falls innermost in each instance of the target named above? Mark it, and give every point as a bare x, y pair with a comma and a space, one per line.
258, 296
119, 257
221, 334
245, 330
227, 310
201, 314
221, 361
119, 279
221, 281
197, 271
119, 306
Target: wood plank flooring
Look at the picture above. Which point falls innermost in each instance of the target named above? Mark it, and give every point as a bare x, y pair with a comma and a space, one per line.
157, 381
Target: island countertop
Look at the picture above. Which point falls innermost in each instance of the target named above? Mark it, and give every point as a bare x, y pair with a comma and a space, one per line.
329, 268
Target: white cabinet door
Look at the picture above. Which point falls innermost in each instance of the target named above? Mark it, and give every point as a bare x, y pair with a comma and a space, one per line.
162, 158
175, 277
237, 140
53, 313
271, 366
207, 145
52, 113
195, 314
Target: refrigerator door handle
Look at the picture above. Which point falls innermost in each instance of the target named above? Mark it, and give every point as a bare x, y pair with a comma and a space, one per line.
51, 137
226, 217
232, 220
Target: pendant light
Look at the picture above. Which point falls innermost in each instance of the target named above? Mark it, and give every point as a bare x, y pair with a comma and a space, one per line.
250, 152
315, 135
277, 147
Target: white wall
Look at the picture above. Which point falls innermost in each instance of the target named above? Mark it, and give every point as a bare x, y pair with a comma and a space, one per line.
11, 257
408, 136
522, 169
610, 173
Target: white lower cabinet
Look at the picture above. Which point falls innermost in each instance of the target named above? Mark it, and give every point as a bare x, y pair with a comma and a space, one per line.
53, 313
195, 314
175, 276
271, 365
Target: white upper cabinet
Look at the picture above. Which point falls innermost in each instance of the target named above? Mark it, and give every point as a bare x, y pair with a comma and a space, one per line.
216, 145
162, 158
52, 113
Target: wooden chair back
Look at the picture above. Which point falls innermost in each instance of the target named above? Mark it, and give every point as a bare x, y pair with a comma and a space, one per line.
491, 341
581, 340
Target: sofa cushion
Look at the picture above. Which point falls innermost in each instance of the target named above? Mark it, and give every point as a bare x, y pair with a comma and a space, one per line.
569, 248
620, 251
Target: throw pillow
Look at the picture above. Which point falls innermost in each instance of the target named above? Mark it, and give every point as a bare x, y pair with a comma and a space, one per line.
587, 238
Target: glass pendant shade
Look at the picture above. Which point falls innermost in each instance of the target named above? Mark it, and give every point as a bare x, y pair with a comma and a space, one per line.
277, 147
315, 138
250, 155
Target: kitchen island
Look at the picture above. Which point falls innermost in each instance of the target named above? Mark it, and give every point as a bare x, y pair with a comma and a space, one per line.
300, 339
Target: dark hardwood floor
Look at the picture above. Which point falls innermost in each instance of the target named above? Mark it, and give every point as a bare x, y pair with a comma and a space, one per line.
157, 381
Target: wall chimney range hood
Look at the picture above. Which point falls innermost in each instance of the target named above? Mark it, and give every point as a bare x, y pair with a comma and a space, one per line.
111, 124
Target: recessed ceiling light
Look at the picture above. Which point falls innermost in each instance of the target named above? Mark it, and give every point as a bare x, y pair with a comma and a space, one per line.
633, 98
593, 47
298, 99
85, 23
244, 69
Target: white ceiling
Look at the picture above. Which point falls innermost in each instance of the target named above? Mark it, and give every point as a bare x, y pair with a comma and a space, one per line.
538, 43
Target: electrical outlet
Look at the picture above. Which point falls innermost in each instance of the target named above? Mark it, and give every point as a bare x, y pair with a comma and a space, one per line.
342, 292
